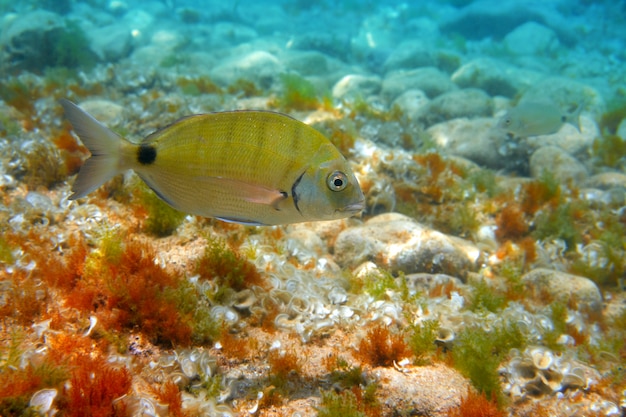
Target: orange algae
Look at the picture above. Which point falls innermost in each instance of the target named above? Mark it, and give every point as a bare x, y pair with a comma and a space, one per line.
476, 405
381, 347
169, 394
510, 223
93, 386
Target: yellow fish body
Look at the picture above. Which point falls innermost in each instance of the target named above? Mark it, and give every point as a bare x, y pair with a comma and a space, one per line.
251, 167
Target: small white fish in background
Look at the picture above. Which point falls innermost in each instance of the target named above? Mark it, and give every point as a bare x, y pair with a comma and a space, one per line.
534, 118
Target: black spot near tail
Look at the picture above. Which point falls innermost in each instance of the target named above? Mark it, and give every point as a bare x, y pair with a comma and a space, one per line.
146, 154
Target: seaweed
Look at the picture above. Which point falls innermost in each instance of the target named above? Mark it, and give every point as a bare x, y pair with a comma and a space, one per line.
162, 219
609, 150
484, 297
354, 402
381, 347
298, 94
198, 86
558, 223
477, 353
475, 404
422, 341
228, 269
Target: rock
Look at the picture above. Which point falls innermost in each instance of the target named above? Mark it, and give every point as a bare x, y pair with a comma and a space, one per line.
469, 102
479, 141
495, 77
569, 138
563, 287
111, 43
411, 103
428, 79
354, 86
398, 243
607, 181
104, 111
561, 164
39, 39
309, 63
495, 18
410, 54
422, 391
335, 44
260, 67
531, 38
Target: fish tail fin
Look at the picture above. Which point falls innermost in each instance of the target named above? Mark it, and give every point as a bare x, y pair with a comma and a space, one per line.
574, 117
103, 144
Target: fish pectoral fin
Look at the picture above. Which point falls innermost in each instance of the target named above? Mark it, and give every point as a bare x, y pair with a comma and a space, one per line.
252, 193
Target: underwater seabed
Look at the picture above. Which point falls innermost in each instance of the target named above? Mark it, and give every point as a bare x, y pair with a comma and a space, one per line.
485, 277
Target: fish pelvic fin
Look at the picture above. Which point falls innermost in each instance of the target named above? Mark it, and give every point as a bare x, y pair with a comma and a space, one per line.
103, 144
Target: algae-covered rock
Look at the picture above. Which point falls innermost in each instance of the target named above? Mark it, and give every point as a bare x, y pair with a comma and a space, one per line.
563, 166
428, 79
39, 39
563, 287
400, 244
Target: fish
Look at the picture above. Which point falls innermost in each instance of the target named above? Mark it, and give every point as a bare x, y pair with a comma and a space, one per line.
534, 118
247, 166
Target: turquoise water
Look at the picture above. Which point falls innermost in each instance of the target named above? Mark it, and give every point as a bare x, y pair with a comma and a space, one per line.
488, 138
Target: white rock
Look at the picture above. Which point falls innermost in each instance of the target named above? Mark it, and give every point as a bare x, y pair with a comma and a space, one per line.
111, 43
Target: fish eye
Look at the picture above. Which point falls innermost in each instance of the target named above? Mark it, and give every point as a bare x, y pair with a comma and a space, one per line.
337, 181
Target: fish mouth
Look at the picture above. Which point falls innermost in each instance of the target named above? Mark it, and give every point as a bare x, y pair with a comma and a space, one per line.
354, 207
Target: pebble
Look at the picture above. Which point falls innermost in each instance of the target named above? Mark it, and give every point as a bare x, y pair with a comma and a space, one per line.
400, 244
260, 67
561, 164
353, 86
468, 102
422, 391
430, 80
563, 287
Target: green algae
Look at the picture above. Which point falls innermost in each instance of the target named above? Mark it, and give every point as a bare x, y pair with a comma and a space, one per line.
478, 352
485, 297
609, 150
422, 341
558, 224
298, 93
342, 404
162, 220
